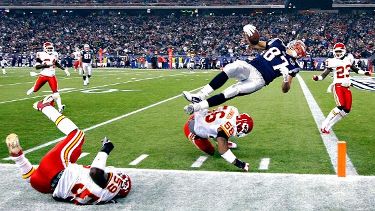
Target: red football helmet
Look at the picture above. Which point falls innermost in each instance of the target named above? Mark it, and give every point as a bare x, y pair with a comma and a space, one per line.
298, 48
244, 124
339, 50
125, 187
48, 47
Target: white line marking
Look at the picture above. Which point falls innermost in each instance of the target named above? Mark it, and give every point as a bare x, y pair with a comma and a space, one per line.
83, 154
103, 123
199, 162
138, 160
114, 84
264, 163
330, 140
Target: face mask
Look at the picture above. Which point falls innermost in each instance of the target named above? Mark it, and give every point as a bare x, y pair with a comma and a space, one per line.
293, 53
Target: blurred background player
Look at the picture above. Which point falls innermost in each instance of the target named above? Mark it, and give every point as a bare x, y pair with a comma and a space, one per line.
46, 61
340, 65
58, 172
2, 63
277, 60
76, 56
86, 63
220, 124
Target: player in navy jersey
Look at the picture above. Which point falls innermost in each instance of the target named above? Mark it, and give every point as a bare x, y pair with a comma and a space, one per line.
276, 60
86, 58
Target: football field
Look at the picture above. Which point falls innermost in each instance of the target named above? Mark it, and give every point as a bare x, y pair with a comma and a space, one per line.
141, 111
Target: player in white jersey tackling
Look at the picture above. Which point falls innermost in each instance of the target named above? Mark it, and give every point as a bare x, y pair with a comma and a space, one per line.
340, 65
58, 172
46, 61
220, 124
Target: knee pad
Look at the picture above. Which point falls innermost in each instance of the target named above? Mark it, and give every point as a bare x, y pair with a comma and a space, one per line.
231, 91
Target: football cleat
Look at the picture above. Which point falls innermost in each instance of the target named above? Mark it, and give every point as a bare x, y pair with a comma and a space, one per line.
193, 98
47, 101
189, 109
84, 83
61, 110
232, 145
13, 145
324, 131
247, 167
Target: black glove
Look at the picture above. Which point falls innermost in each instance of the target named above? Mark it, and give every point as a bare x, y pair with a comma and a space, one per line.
107, 145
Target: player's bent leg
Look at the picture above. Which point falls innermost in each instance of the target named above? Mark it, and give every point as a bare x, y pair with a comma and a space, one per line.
38, 84
56, 96
15, 151
56, 160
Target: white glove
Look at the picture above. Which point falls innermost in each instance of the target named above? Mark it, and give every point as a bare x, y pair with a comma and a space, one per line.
246, 168
249, 29
67, 72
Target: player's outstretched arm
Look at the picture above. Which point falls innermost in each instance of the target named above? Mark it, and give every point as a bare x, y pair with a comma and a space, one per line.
61, 67
251, 36
358, 70
323, 75
285, 86
226, 153
97, 173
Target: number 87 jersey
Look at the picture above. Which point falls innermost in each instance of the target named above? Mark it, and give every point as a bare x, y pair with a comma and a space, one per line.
207, 123
341, 68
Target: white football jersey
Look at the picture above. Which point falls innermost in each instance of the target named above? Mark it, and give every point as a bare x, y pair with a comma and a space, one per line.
207, 123
77, 54
341, 69
77, 186
48, 59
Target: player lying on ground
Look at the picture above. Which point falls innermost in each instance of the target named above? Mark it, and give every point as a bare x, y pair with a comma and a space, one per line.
46, 62
220, 124
277, 60
58, 172
340, 65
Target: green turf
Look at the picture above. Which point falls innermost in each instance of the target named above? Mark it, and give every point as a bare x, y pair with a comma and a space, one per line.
284, 127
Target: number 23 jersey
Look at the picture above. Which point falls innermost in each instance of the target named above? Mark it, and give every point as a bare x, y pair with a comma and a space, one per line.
77, 186
207, 123
341, 68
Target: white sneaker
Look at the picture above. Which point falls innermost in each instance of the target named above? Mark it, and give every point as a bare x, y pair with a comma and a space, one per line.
61, 110
193, 98
30, 91
13, 145
84, 83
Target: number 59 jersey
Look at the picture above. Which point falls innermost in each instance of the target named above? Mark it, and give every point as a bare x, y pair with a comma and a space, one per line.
77, 186
207, 123
274, 61
341, 68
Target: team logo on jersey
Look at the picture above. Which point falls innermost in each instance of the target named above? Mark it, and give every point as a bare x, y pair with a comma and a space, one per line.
363, 83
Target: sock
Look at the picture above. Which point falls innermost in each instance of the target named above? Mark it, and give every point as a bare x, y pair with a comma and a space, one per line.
84, 78
336, 118
219, 80
206, 90
100, 160
216, 100
89, 76
63, 123
57, 98
330, 116
24, 165
4, 72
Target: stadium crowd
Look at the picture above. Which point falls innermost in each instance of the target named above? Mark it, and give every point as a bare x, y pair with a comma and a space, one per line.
120, 34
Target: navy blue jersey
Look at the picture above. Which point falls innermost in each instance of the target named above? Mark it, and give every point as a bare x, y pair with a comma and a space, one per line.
275, 60
87, 56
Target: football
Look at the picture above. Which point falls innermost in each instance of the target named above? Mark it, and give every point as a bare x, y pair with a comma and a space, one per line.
254, 39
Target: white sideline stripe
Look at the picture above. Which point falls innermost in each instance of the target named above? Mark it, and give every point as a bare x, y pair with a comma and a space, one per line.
103, 123
114, 84
199, 162
329, 140
138, 160
83, 154
264, 163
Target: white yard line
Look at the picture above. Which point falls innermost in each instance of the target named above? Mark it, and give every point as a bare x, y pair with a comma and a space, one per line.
114, 84
102, 124
330, 140
264, 163
199, 162
138, 160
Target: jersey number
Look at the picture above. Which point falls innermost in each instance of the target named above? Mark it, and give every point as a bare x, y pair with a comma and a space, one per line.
271, 54
113, 186
340, 71
212, 115
83, 195
87, 56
